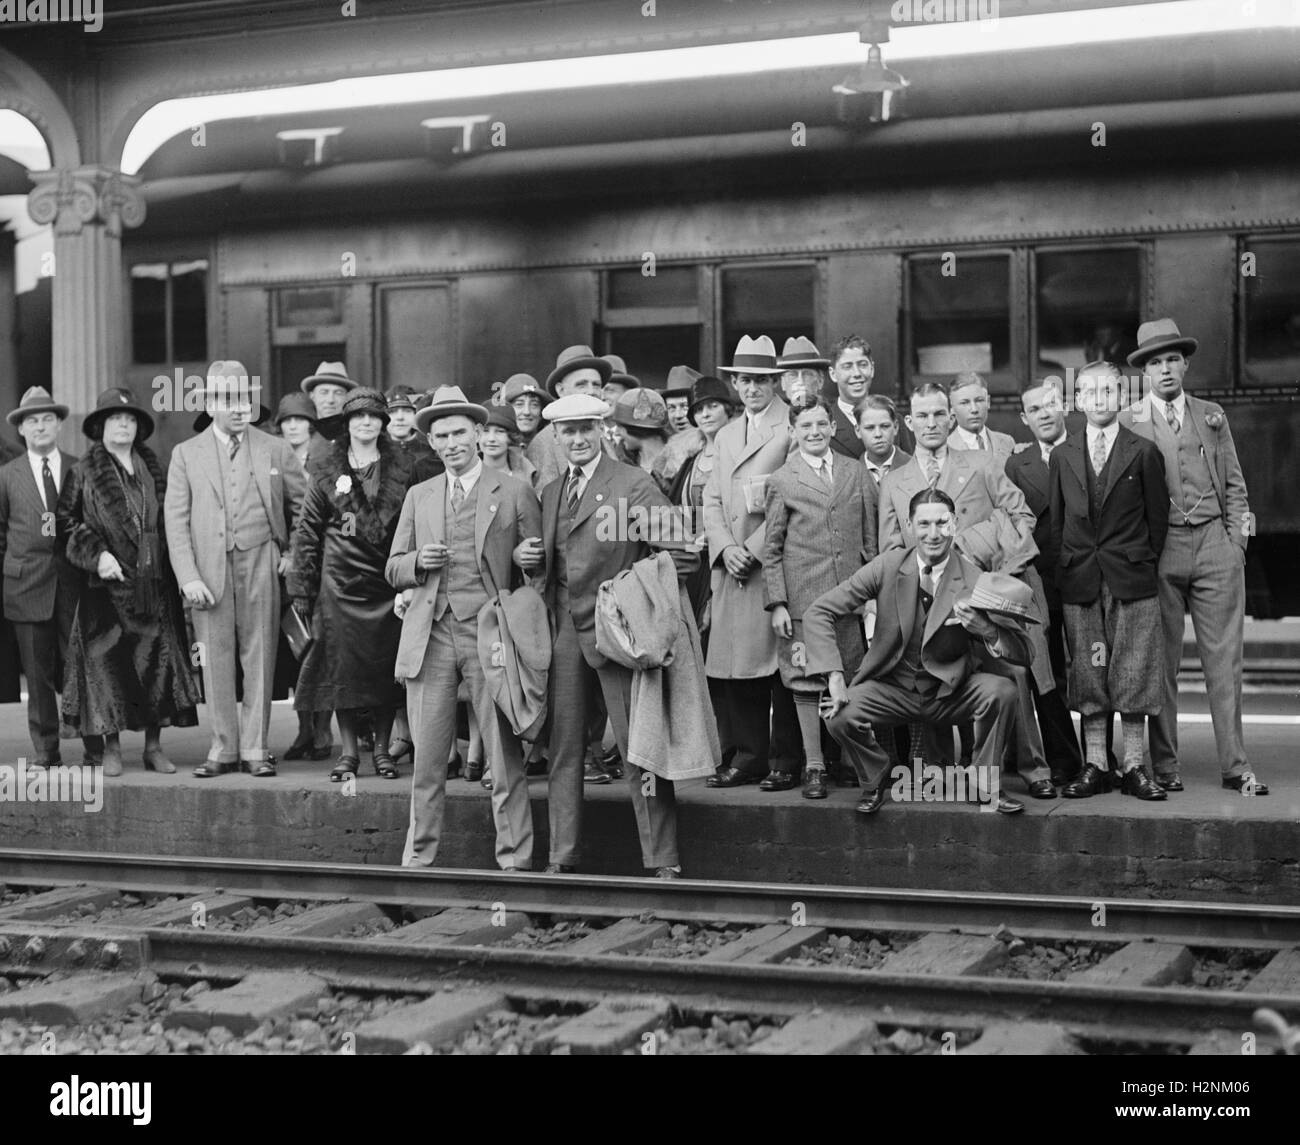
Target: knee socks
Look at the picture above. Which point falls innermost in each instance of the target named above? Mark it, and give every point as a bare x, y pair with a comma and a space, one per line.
810, 728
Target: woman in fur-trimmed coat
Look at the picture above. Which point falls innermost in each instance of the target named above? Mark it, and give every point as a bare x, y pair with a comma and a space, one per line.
340, 546
128, 663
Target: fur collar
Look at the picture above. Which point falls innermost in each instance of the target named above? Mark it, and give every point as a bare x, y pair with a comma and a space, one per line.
375, 522
103, 478
680, 449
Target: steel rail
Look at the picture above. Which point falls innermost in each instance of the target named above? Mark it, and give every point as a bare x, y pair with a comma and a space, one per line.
842, 908
948, 999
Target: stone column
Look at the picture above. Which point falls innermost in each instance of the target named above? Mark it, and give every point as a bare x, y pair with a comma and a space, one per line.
88, 207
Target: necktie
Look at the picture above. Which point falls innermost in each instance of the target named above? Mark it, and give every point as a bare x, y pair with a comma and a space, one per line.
234, 445
932, 471
980, 439
571, 490
824, 472
1171, 415
51, 490
1099, 454
457, 494
927, 587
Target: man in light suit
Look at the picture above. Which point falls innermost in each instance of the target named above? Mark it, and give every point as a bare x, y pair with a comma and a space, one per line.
592, 530
969, 398
1203, 564
920, 665
232, 493
742, 658
40, 587
982, 494
456, 540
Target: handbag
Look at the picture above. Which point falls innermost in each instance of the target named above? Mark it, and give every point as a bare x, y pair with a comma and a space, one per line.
296, 633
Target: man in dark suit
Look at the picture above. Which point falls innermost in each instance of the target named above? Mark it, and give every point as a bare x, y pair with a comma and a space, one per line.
590, 535
40, 587
921, 665
852, 369
1109, 516
1044, 414
1203, 566
454, 549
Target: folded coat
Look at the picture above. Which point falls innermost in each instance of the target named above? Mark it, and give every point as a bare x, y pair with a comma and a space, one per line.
514, 647
644, 623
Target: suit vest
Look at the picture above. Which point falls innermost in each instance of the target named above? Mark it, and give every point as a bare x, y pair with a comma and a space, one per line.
247, 525
461, 584
1191, 486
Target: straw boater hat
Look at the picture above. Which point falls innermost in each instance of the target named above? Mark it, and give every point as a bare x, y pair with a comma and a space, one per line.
449, 401
36, 400
754, 356
1004, 599
117, 399
295, 405
642, 409
800, 354
711, 390
363, 400
1156, 337
577, 358
576, 407
231, 377
620, 376
517, 385
680, 381
333, 372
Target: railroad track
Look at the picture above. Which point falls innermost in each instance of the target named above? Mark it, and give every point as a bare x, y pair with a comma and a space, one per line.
600, 964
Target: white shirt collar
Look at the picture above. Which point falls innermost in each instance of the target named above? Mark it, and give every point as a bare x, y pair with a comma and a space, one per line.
846, 408
883, 467
36, 461
972, 441
1179, 403
1047, 446
816, 463
1108, 435
585, 472
936, 571
224, 438
467, 480
923, 455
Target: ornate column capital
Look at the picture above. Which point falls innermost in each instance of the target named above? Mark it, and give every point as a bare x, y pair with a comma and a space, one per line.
71, 198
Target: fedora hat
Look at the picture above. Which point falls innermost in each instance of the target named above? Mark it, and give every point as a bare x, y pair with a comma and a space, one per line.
295, 405
577, 358
576, 407
333, 372
449, 401
117, 399
642, 409
36, 400
620, 376
517, 385
800, 354
363, 400
1157, 336
503, 417
1003, 597
754, 356
709, 389
680, 381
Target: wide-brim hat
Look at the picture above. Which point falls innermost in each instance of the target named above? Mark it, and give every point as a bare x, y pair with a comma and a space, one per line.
1157, 336
523, 385
577, 358
364, 400
1004, 598
333, 372
503, 417
800, 354
295, 405
576, 407
449, 401
117, 399
709, 389
640, 408
681, 381
620, 376
753, 356
36, 400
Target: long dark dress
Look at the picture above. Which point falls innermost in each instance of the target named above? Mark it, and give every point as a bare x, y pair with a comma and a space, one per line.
128, 664
340, 546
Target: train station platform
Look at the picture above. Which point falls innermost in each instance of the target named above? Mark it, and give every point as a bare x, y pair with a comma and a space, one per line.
1205, 843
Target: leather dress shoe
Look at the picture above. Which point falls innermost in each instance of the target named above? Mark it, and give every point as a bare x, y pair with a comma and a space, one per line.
210, 768
558, 869
668, 873
474, 770
1009, 806
730, 777
777, 781
1138, 782
1061, 778
873, 801
1092, 781
1246, 783
612, 763
1170, 782
1042, 789
260, 769
814, 783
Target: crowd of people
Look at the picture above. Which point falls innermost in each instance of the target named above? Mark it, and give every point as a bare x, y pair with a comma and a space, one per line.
743, 577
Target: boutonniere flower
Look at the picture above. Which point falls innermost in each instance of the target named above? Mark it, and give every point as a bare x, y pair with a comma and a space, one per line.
1214, 420
343, 486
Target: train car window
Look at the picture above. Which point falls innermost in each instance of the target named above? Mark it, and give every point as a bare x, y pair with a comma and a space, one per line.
1088, 306
668, 286
651, 351
652, 321
309, 306
779, 301
1272, 305
959, 315
169, 312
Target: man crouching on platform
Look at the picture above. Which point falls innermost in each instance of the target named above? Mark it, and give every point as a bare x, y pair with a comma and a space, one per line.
921, 665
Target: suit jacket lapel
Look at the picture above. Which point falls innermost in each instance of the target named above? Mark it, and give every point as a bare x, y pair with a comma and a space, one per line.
952, 477
1035, 470
945, 593
1072, 451
1120, 459
1197, 417
595, 492
438, 508
488, 499
909, 588
845, 435
259, 456
28, 481
805, 476
212, 460
1139, 420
